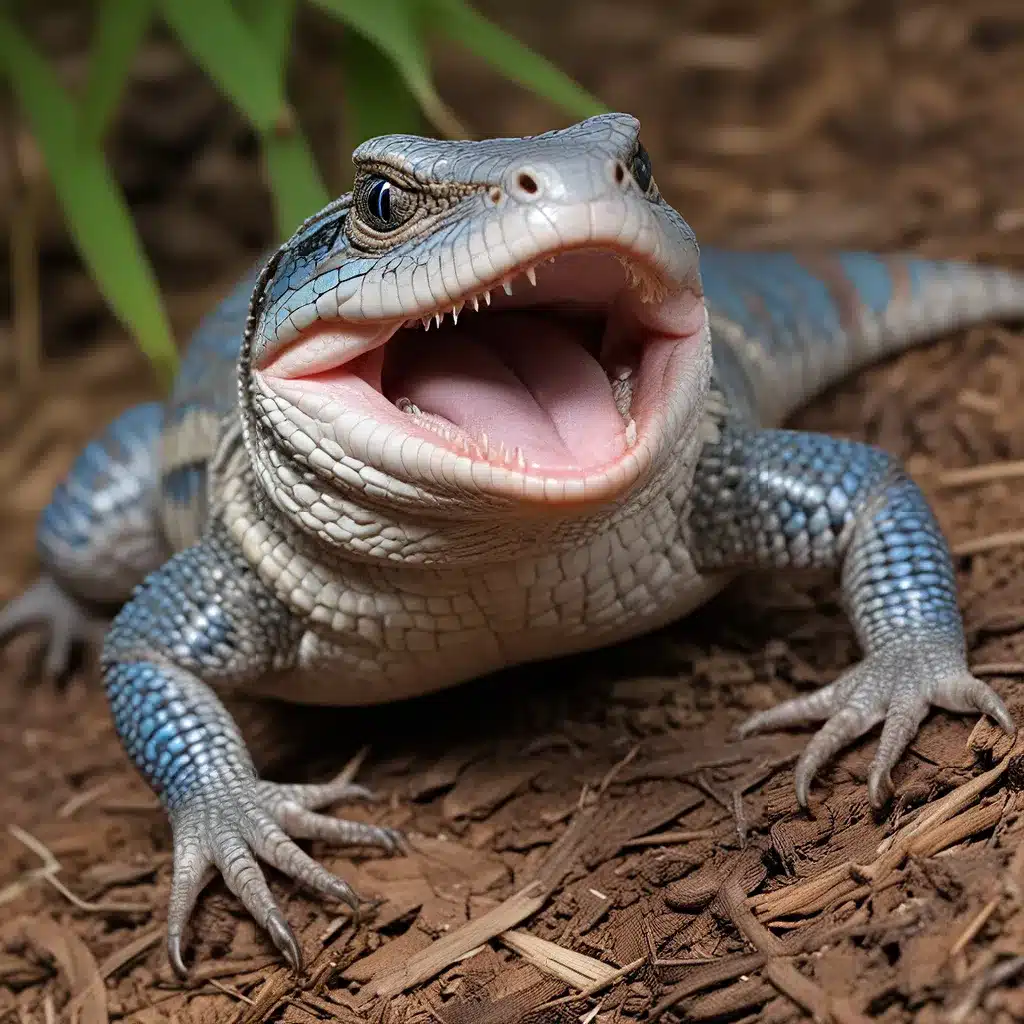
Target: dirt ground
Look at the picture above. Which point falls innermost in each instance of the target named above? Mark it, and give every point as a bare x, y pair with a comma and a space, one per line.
588, 843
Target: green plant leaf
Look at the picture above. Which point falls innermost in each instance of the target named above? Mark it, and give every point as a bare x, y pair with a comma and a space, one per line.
97, 215
229, 51
377, 101
120, 26
393, 26
271, 22
247, 62
295, 183
458, 21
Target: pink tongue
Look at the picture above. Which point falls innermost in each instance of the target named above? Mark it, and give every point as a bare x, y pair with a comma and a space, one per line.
520, 378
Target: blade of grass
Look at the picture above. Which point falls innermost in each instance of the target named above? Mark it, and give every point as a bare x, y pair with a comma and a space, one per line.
376, 100
97, 215
295, 183
393, 26
271, 22
247, 63
458, 21
225, 47
120, 26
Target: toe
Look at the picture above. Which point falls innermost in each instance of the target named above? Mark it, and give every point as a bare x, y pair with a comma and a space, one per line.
193, 868
305, 824
846, 725
902, 721
243, 876
814, 707
318, 795
57, 660
274, 845
284, 939
968, 693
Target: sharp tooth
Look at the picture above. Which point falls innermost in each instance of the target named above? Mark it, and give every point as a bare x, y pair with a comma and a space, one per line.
456, 310
438, 317
531, 276
631, 433
426, 322
507, 285
519, 457
485, 446
487, 298
476, 303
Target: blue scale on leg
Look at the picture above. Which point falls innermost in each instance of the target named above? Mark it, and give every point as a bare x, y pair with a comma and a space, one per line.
782, 499
205, 618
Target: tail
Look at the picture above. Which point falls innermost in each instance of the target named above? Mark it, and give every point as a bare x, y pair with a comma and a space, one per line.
806, 322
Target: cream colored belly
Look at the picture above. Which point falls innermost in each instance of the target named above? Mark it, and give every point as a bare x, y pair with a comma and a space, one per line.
576, 602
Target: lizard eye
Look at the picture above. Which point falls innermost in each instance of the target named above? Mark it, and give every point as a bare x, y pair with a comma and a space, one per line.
641, 169
382, 205
378, 200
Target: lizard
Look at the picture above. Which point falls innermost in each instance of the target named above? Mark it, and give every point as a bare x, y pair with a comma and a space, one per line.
491, 406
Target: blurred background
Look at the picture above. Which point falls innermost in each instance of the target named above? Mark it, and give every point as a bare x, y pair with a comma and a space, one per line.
150, 150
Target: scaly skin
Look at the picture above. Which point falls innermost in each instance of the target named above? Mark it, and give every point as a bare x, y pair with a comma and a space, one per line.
362, 512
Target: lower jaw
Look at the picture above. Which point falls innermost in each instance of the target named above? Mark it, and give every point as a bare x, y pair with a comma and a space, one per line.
430, 456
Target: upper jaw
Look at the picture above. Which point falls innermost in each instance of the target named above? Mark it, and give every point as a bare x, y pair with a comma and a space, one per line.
433, 274
652, 291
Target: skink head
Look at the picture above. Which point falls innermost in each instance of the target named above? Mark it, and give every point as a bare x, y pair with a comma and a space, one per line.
569, 356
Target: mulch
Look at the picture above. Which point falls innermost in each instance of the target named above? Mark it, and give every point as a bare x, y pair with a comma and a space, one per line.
588, 841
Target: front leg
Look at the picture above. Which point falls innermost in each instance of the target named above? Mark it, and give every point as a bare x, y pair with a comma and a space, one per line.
205, 617
780, 499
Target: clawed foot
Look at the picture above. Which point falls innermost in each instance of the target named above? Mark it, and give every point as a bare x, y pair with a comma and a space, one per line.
45, 605
896, 684
239, 818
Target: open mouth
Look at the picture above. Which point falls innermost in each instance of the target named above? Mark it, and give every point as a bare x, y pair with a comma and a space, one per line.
563, 371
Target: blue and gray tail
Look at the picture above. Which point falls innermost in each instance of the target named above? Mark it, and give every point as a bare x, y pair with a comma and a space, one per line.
793, 325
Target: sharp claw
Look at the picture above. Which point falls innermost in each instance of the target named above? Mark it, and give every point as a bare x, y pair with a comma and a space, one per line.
840, 730
355, 792
283, 937
397, 841
57, 659
880, 789
344, 893
749, 726
803, 786
988, 702
174, 955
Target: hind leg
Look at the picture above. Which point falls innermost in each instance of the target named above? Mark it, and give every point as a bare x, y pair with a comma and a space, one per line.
97, 539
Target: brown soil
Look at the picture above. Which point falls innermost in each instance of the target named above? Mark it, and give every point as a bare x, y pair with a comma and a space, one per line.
590, 824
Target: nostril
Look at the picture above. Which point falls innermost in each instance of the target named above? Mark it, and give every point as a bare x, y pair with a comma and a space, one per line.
619, 173
528, 183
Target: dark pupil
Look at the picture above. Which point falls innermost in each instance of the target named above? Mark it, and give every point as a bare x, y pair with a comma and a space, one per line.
642, 168
379, 200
